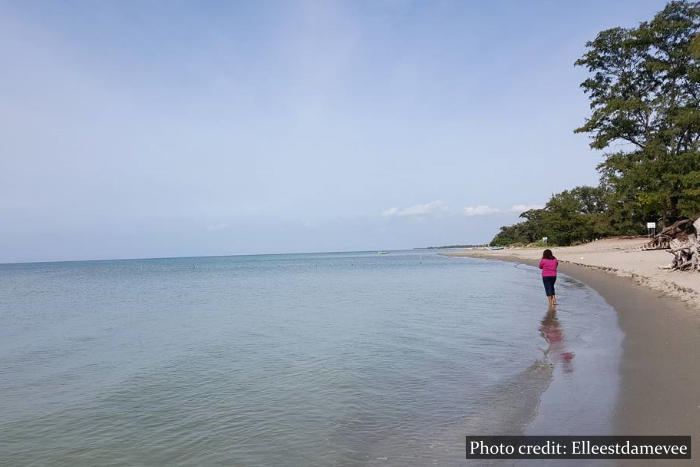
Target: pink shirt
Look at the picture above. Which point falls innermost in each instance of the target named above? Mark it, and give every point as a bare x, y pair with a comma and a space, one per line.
549, 267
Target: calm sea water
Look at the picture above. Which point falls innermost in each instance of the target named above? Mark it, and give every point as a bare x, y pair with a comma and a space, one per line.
314, 359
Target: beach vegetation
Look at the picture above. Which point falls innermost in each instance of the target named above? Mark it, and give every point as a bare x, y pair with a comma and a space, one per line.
644, 93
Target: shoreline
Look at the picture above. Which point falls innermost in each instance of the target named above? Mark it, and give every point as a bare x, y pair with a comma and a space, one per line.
659, 372
514, 405
618, 256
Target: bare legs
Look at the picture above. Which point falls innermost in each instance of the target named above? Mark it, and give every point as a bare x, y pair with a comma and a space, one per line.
549, 289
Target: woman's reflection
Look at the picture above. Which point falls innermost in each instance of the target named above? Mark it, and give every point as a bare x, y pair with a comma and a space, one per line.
553, 334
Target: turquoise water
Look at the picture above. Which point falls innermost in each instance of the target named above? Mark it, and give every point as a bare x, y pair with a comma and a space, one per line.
314, 359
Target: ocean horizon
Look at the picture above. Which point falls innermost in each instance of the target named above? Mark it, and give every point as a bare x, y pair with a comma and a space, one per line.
231, 255
349, 358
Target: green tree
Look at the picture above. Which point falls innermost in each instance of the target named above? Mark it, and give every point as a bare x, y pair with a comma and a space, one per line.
571, 216
644, 91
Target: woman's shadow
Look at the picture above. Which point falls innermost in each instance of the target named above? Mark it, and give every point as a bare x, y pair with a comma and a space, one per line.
552, 332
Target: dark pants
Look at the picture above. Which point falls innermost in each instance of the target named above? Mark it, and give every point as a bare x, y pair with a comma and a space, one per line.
549, 285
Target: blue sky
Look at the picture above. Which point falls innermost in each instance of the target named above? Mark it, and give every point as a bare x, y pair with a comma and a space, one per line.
173, 128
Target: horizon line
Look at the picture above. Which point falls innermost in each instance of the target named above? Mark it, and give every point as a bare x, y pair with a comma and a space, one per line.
148, 258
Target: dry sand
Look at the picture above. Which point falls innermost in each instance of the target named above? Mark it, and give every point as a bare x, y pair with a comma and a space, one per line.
660, 367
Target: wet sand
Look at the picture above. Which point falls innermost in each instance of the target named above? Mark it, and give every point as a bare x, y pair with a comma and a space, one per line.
659, 390
620, 256
660, 368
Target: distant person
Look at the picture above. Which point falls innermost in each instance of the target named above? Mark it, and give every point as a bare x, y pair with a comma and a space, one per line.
548, 265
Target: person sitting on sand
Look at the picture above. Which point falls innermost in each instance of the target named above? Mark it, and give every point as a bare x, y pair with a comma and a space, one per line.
548, 265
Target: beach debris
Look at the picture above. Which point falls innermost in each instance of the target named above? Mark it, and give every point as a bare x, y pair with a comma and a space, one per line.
684, 245
677, 230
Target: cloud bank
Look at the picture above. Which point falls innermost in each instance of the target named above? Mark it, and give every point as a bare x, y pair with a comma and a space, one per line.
484, 210
438, 207
419, 210
481, 210
519, 208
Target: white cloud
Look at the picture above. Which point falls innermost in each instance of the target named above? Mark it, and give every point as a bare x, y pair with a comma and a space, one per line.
481, 210
215, 227
518, 208
390, 212
438, 207
484, 210
433, 207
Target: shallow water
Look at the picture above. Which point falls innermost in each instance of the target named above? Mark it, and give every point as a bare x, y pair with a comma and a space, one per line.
315, 359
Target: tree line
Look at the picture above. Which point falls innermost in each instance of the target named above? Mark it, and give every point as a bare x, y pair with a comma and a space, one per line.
644, 93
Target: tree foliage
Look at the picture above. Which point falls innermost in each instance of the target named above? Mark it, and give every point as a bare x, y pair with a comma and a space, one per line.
570, 216
644, 92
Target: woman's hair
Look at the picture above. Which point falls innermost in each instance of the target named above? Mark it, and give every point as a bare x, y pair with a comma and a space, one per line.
548, 254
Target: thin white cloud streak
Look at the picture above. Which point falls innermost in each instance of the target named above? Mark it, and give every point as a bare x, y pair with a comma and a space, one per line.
419, 210
215, 227
519, 208
484, 210
438, 207
481, 210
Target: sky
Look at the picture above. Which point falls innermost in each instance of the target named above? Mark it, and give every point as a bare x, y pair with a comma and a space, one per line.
136, 129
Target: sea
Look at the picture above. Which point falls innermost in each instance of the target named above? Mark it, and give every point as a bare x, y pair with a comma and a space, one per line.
353, 358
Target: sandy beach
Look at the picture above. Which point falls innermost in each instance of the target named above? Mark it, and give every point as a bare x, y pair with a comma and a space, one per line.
659, 312
620, 256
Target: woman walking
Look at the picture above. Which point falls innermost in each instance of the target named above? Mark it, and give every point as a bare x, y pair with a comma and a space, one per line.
548, 265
